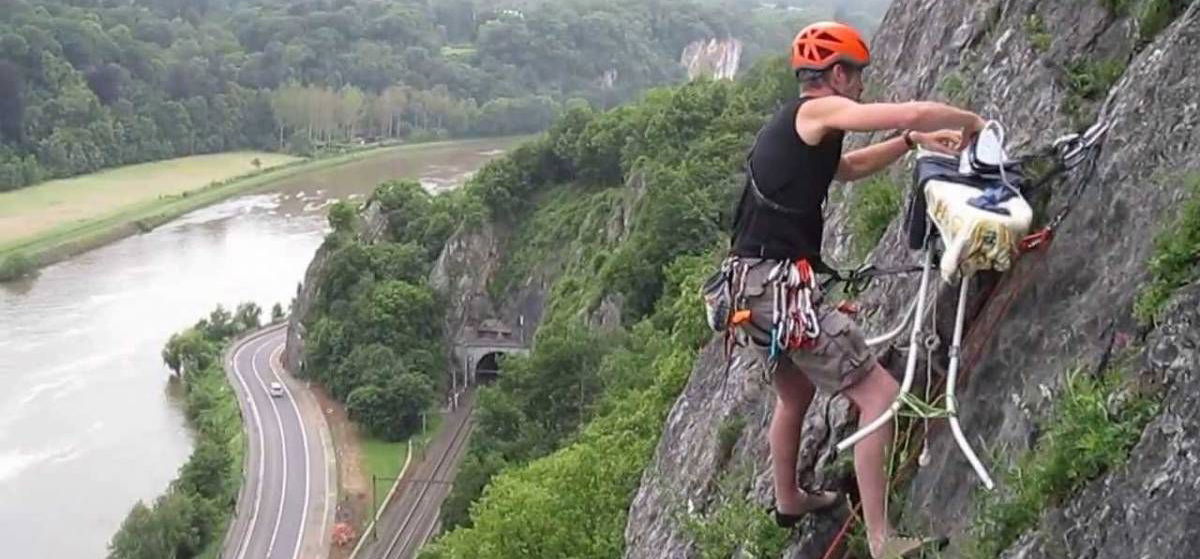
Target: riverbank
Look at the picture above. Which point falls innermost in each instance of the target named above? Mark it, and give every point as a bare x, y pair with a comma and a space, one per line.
196, 510
62, 242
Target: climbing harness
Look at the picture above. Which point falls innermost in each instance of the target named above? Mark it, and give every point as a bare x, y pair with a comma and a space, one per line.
1071, 151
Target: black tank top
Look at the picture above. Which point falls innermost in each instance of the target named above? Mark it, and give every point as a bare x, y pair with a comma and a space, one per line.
791, 174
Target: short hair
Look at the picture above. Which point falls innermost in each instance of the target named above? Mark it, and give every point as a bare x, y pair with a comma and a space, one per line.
812, 78
818, 78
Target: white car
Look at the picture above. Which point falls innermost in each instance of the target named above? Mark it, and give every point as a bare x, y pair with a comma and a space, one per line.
276, 390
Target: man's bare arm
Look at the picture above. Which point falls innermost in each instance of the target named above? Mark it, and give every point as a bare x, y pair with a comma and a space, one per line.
840, 113
864, 162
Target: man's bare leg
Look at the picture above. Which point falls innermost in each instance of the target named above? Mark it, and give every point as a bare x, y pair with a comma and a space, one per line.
873, 395
793, 394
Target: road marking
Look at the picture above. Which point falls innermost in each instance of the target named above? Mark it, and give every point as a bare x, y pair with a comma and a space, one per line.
283, 444
307, 458
242, 545
325, 446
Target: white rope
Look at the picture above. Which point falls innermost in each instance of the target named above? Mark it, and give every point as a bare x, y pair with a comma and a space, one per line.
1003, 159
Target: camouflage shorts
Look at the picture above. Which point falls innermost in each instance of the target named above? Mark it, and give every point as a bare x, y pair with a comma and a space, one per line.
838, 360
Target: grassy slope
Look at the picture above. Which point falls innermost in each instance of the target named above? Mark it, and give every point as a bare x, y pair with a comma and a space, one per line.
385, 459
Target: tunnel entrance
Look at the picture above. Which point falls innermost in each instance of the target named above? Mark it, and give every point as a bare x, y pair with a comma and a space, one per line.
488, 367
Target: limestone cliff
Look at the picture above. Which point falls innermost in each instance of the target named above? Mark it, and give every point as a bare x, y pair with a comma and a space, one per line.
1041, 67
715, 58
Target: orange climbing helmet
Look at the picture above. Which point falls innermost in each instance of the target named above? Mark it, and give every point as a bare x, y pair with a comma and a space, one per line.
823, 44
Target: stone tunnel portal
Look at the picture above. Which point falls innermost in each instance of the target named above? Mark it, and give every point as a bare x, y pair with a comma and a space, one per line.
488, 367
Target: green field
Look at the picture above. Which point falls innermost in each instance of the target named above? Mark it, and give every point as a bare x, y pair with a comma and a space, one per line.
384, 460
67, 238
33, 210
458, 52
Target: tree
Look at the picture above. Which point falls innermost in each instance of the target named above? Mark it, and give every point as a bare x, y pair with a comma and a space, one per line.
12, 108
397, 314
107, 81
350, 109
220, 324
247, 316
188, 351
167, 530
392, 411
373, 364
343, 216
204, 473
277, 313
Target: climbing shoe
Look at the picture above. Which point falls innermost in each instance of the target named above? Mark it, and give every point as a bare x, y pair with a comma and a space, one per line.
813, 502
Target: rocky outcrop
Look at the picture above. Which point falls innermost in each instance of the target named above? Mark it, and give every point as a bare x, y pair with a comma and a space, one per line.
1147, 508
373, 225
1065, 304
714, 58
473, 256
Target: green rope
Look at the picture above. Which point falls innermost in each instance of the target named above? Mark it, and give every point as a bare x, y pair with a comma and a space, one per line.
918, 408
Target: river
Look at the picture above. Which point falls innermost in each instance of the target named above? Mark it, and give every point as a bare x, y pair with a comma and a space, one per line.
88, 420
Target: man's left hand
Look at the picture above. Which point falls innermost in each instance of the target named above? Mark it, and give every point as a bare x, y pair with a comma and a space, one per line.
942, 141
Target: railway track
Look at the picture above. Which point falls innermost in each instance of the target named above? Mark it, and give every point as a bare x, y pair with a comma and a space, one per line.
428, 489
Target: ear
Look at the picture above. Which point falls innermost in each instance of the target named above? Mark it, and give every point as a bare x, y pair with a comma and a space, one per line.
839, 73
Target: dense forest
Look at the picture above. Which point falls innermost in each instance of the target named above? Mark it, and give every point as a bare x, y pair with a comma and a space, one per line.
88, 84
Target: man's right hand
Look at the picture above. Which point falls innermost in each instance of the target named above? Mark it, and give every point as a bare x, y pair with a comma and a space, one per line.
970, 131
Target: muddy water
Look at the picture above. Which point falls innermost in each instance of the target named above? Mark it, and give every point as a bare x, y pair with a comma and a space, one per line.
88, 421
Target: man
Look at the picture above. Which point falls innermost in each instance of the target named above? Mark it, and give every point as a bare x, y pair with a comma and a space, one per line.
796, 157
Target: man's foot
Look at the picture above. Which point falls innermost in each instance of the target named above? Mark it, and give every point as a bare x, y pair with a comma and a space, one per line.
809, 502
899, 547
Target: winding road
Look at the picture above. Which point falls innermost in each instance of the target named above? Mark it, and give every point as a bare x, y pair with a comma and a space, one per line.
285, 508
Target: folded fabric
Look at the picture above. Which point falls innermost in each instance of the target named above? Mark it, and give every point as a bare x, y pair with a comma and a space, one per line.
975, 239
992, 198
932, 166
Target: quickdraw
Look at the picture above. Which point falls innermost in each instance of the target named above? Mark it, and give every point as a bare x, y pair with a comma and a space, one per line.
734, 335
1072, 150
794, 321
856, 282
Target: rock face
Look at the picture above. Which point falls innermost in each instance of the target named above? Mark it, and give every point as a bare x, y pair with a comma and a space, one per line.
1148, 508
715, 58
473, 256
1062, 306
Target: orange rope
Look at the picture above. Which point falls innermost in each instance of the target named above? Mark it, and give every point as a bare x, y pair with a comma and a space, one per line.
841, 535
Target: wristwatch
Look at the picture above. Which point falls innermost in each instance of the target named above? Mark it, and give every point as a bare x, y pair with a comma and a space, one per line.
908, 141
